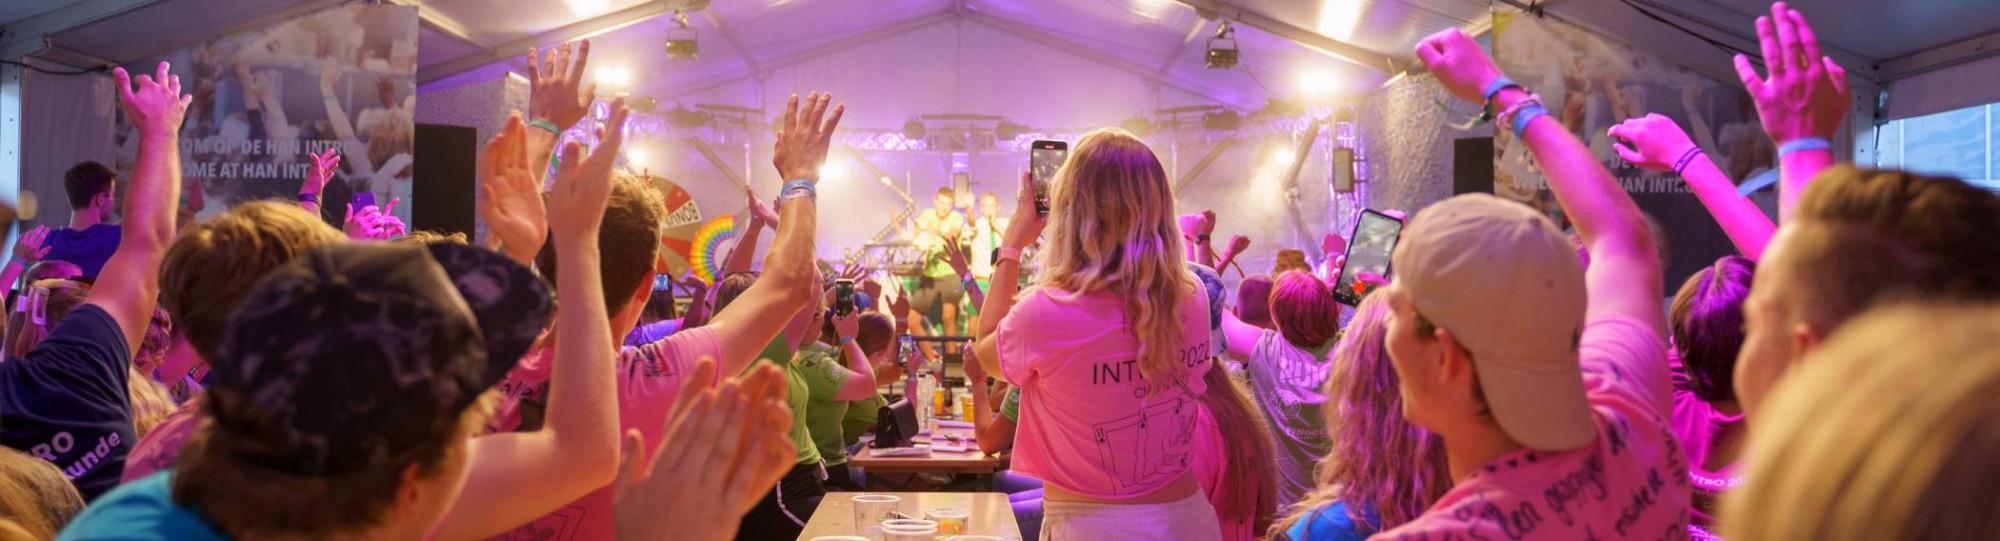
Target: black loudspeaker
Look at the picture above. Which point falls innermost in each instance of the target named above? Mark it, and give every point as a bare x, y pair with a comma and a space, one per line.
1343, 170
1472, 165
444, 179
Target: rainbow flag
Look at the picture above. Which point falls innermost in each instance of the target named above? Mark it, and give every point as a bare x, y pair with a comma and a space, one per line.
707, 257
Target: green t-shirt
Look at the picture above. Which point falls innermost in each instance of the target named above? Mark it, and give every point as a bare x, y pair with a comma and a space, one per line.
779, 352
820, 365
1010, 406
861, 416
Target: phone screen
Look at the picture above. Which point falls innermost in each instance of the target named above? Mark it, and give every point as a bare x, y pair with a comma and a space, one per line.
1374, 240
1044, 159
843, 297
363, 198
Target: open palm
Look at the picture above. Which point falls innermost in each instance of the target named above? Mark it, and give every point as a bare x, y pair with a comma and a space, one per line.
510, 200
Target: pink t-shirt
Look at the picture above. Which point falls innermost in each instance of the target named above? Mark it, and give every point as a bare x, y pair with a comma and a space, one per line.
1698, 424
649, 378
1090, 424
1632, 483
1211, 469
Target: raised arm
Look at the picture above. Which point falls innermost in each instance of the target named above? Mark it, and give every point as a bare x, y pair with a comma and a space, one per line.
323, 165
129, 285
31, 247
517, 477
1242, 337
554, 104
1654, 142
741, 258
859, 382
510, 198
954, 253
1024, 230
1801, 101
789, 273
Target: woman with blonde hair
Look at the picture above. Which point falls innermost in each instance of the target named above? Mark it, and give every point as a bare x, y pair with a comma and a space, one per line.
1886, 432
1109, 347
1383, 471
34, 496
1235, 460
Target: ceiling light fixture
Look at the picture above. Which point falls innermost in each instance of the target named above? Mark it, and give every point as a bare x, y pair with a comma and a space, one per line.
681, 42
588, 7
1222, 53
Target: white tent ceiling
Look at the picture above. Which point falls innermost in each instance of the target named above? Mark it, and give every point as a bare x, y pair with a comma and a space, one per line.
1357, 42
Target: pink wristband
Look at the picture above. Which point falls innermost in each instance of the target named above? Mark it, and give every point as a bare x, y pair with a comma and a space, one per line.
1010, 253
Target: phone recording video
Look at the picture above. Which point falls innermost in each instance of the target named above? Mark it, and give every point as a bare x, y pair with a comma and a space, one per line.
843, 297
1375, 236
1045, 157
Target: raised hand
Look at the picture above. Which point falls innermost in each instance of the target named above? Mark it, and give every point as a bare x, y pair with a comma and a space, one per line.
510, 199
1458, 63
760, 212
1026, 226
373, 223
874, 291
1652, 142
1804, 93
583, 185
804, 139
30, 247
554, 80
955, 255
1239, 243
722, 447
155, 104
847, 326
323, 166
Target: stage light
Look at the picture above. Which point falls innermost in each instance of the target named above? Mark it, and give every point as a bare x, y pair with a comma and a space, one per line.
588, 7
614, 77
1222, 53
830, 171
636, 157
1222, 120
1317, 83
888, 181
681, 39
1282, 157
1339, 18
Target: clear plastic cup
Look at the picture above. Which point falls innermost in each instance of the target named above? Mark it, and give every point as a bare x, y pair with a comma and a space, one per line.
970, 538
950, 520
871, 509
909, 530
851, 538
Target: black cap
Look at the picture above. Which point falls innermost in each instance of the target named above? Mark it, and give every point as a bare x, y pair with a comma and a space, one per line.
355, 355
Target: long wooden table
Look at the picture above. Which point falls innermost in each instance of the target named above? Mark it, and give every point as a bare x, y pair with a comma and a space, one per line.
900, 472
990, 513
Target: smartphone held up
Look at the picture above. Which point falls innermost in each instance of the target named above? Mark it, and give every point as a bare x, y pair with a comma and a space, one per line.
1045, 157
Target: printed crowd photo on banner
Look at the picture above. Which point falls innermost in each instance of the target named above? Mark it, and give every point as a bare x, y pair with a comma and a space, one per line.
265, 100
1591, 83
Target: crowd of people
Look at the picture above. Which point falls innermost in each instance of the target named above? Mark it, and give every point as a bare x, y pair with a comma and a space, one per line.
261, 374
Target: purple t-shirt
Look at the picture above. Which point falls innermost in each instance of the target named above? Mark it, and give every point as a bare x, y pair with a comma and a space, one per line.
66, 401
88, 248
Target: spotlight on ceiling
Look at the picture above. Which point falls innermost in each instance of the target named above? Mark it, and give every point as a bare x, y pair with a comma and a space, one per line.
1222, 53
684, 118
914, 129
1138, 125
1224, 120
681, 42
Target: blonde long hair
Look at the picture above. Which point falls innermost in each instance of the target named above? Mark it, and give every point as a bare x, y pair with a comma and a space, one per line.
1885, 432
1379, 461
1251, 461
1112, 228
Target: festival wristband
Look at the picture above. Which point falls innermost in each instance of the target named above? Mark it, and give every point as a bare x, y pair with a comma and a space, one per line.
1526, 115
845, 340
1803, 144
546, 125
1201, 238
1010, 254
795, 189
1687, 158
1496, 86
308, 198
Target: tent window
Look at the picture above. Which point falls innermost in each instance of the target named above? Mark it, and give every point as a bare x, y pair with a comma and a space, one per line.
1963, 143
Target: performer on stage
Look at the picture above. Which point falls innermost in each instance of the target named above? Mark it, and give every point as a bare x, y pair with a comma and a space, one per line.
983, 237
938, 290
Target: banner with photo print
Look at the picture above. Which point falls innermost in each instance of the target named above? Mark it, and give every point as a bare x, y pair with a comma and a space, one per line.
264, 99
1591, 83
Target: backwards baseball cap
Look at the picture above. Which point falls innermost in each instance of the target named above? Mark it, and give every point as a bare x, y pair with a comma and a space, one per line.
1503, 280
355, 356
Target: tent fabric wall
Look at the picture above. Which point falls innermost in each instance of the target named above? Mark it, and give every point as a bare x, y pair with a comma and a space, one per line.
1957, 87
70, 118
1409, 143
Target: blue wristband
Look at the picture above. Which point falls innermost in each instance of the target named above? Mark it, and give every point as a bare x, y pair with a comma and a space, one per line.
795, 189
845, 340
546, 125
1527, 114
1496, 86
1803, 144
308, 198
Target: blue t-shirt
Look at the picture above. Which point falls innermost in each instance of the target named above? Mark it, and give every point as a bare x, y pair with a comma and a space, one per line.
88, 249
1329, 523
143, 510
66, 402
